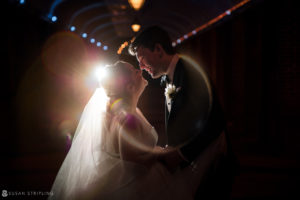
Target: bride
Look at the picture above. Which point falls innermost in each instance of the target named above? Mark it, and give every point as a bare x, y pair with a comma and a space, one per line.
114, 153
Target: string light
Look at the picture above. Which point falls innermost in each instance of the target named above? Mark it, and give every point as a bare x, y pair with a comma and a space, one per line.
54, 18
92, 40
84, 35
200, 28
123, 46
72, 28
209, 23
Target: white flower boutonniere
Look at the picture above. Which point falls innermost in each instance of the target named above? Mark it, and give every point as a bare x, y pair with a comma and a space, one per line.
171, 91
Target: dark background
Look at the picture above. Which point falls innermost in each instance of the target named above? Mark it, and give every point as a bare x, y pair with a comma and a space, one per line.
253, 60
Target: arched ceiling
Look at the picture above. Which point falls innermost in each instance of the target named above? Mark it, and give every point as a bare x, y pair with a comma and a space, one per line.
109, 21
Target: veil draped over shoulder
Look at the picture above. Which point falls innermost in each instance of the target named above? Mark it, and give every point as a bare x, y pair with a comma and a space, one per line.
89, 172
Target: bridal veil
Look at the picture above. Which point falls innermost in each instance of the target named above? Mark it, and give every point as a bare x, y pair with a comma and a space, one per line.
89, 172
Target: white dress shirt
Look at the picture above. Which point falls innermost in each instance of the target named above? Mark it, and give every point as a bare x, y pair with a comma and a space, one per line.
170, 74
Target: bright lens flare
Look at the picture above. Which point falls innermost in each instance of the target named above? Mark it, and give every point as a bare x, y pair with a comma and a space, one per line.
100, 73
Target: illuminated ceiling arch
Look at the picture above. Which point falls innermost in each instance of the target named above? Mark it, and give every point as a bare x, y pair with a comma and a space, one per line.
96, 19
102, 26
53, 6
109, 21
104, 35
85, 9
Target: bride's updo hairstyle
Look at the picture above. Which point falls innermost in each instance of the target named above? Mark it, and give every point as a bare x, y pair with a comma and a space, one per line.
117, 77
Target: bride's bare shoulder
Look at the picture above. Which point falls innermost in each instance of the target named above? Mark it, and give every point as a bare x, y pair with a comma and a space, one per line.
130, 121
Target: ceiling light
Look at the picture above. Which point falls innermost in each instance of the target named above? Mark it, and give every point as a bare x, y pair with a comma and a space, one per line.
135, 27
136, 4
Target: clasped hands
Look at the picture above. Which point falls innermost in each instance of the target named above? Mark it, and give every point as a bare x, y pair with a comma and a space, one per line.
169, 156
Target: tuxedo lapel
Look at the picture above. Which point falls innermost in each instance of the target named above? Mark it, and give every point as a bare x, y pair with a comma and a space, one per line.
178, 82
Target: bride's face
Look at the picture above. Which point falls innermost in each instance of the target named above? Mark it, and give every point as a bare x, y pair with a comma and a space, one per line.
139, 81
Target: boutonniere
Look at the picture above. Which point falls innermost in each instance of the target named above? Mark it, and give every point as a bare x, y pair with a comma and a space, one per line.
171, 91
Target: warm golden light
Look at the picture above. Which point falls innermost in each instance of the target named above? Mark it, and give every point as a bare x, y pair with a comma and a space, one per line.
135, 27
125, 44
136, 4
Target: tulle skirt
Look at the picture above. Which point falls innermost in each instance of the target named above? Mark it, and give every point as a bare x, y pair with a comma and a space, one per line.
157, 183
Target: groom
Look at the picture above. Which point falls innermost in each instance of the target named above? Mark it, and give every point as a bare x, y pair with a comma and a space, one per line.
193, 116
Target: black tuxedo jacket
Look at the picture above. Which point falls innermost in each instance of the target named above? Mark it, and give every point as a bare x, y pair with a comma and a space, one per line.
196, 117
194, 122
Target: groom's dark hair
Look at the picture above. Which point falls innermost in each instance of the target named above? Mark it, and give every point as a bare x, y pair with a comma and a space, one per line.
149, 37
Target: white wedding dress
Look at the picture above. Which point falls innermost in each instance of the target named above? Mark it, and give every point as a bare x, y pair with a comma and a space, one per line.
91, 170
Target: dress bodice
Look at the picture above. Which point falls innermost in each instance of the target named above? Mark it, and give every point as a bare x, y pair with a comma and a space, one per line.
146, 134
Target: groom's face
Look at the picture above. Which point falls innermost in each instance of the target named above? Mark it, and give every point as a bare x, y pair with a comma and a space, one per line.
149, 61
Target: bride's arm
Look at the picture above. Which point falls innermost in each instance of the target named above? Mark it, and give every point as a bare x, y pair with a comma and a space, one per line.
133, 144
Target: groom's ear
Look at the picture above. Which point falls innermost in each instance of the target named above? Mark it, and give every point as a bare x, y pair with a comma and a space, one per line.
158, 48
